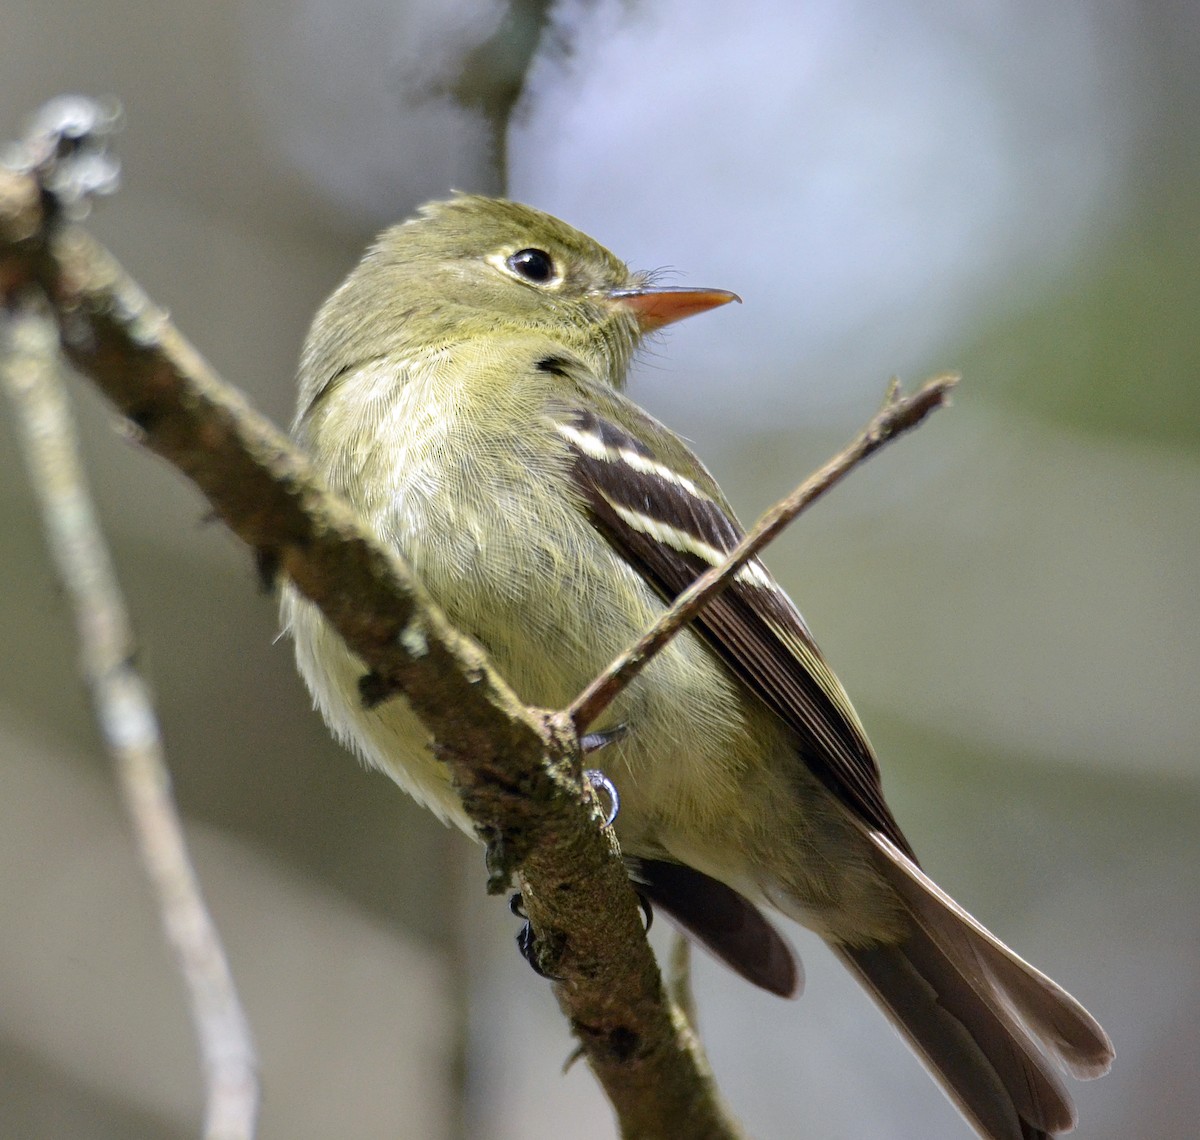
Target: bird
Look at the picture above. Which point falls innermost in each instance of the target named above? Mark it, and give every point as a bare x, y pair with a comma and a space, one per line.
463, 388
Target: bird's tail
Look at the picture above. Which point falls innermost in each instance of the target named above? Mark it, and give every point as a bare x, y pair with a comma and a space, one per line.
983, 1020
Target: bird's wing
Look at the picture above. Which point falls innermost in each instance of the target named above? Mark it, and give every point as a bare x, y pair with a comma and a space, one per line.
731, 926
672, 527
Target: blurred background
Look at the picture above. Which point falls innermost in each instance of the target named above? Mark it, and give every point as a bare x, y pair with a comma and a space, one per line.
1010, 595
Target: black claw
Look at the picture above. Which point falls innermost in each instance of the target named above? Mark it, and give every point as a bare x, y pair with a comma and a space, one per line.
527, 944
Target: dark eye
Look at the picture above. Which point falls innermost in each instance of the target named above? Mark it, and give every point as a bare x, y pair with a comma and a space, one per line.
533, 264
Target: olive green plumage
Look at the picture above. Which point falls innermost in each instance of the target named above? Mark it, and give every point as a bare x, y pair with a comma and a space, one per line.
462, 389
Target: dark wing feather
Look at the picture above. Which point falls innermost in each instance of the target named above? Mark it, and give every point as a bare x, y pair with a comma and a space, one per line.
731, 926
753, 625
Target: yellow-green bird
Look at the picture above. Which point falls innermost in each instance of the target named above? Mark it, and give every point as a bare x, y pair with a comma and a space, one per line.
463, 389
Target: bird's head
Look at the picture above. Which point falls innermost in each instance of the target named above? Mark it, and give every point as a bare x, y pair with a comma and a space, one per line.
474, 266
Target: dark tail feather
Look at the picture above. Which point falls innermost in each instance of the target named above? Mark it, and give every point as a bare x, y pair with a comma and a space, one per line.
987, 1066
1054, 1018
729, 925
978, 1015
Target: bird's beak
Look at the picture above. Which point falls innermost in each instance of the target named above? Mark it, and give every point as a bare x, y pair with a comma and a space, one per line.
655, 308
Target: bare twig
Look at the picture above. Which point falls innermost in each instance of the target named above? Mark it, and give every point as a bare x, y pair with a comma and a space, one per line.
679, 978
898, 414
29, 371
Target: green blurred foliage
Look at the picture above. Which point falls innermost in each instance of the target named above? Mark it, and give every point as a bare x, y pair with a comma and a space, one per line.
1114, 346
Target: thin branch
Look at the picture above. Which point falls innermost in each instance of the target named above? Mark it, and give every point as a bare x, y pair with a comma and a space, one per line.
517, 769
899, 414
679, 978
30, 373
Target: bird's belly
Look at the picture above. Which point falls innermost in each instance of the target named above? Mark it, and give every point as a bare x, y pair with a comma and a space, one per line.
704, 775
389, 737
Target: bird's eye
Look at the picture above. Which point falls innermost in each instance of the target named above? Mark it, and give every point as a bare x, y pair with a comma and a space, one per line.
534, 265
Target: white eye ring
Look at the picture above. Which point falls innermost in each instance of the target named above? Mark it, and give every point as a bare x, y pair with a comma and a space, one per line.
529, 265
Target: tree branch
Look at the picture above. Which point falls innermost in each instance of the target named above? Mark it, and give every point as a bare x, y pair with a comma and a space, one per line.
517, 768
